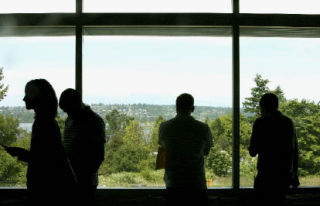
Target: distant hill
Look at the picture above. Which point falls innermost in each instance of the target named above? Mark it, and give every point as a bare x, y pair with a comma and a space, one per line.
141, 112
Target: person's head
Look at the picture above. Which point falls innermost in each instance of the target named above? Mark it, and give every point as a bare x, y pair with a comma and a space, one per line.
40, 96
185, 104
268, 103
70, 101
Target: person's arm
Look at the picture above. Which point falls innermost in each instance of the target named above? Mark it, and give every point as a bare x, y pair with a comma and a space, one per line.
21, 153
161, 156
95, 148
160, 136
208, 141
254, 145
295, 178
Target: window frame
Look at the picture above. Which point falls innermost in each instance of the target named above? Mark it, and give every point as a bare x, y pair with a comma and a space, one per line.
183, 24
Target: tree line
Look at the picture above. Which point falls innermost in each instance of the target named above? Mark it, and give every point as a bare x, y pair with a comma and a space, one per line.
130, 149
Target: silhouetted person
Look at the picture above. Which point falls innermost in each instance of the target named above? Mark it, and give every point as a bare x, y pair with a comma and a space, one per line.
274, 141
84, 139
186, 142
49, 174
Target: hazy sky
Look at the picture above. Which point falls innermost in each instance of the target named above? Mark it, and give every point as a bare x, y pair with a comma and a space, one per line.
155, 70
223, 6
124, 69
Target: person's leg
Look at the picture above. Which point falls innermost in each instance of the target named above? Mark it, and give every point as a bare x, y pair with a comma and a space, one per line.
171, 197
270, 193
186, 197
91, 194
86, 195
199, 197
259, 192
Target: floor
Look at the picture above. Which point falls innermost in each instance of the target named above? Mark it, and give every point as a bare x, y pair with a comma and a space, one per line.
156, 198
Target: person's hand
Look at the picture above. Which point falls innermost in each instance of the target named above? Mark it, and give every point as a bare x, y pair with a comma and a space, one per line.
16, 151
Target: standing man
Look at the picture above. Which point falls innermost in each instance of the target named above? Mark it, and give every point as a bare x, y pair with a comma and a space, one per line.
274, 141
186, 142
84, 140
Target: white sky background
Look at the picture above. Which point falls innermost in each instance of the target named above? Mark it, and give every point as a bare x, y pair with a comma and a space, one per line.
29, 58
155, 70
222, 6
291, 63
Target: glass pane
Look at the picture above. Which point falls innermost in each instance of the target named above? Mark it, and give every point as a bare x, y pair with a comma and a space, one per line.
37, 6
283, 6
222, 6
23, 59
140, 77
291, 67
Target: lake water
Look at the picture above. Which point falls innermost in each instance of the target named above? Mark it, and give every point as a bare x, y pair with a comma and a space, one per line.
147, 127
26, 126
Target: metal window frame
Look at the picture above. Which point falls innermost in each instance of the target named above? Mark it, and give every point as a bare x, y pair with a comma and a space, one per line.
279, 25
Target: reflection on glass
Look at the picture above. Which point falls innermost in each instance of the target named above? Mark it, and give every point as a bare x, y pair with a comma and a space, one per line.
283, 6
219, 6
133, 82
37, 6
23, 59
289, 68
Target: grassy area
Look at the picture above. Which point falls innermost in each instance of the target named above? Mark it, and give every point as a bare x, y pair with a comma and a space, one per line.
221, 182
246, 181
312, 180
145, 178
148, 178
155, 179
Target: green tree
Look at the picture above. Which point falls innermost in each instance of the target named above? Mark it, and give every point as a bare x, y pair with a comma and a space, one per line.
219, 158
219, 161
9, 129
251, 104
306, 117
12, 171
3, 88
153, 143
221, 129
280, 94
126, 141
131, 153
116, 123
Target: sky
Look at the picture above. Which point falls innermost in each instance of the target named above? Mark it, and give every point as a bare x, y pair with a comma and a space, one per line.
222, 6
154, 70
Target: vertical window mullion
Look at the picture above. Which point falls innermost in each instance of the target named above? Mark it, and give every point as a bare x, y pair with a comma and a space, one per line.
235, 97
79, 37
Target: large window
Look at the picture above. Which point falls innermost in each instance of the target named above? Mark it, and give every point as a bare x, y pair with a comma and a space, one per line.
288, 67
127, 6
36, 6
21, 60
283, 6
140, 78
130, 67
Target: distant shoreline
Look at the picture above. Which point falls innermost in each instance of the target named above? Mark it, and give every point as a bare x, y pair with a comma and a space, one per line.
140, 112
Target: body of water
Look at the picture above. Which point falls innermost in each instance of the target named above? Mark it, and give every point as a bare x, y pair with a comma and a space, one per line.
26, 126
147, 127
